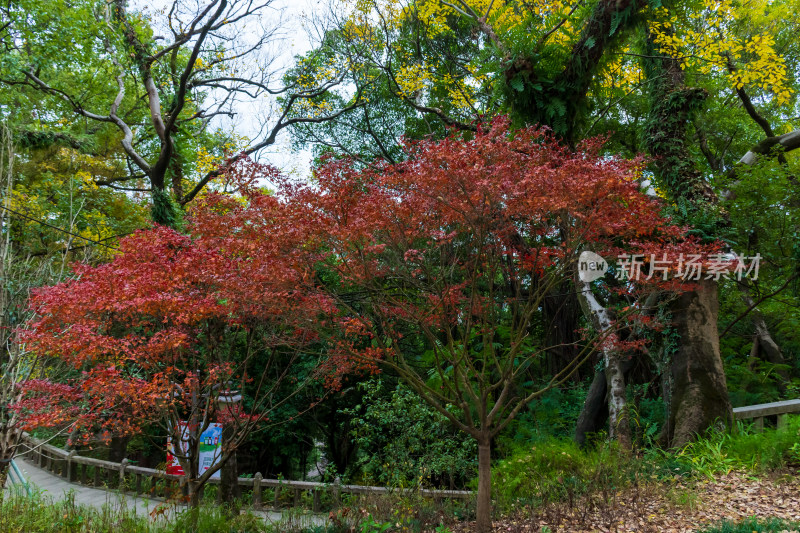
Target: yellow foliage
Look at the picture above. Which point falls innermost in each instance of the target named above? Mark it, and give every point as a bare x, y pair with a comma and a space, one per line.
718, 38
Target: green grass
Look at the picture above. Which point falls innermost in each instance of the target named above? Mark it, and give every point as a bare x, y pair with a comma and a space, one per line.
38, 513
742, 450
752, 525
560, 471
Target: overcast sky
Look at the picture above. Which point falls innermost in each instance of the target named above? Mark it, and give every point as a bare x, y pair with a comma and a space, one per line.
289, 15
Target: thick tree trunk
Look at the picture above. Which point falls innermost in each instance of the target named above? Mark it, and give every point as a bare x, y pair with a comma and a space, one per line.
10, 434
561, 315
700, 395
118, 449
484, 507
229, 477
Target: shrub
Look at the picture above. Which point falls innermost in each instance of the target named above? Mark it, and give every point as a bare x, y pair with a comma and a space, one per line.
558, 470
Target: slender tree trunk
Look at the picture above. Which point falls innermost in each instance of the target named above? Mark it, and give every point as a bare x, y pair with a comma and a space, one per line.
700, 394
763, 343
595, 409
484, 507
619, 425
194, 493
618, 422
4, 466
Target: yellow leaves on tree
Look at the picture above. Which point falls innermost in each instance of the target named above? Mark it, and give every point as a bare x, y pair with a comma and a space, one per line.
720, 38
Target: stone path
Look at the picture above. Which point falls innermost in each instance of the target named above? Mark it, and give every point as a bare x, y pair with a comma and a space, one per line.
57, 488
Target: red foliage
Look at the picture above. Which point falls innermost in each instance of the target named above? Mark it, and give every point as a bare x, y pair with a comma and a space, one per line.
465, 235
145, 331
463, 230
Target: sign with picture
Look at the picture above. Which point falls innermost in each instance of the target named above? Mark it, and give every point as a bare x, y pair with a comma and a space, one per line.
209, 453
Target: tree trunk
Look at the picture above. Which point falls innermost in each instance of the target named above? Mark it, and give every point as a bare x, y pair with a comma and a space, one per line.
763, 343
619, 427
484, 510
561, 314
194, 493
194, 502
700, 395
595, 409
4, 465
229, 476
118, 449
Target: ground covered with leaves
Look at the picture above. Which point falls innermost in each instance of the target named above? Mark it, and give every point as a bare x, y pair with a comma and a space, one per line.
677, 506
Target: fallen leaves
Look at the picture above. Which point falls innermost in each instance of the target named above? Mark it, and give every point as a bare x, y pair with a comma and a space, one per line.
669, 507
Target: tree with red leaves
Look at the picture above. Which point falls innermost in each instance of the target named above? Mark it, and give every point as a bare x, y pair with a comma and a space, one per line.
166, 328
434, 268
440, 265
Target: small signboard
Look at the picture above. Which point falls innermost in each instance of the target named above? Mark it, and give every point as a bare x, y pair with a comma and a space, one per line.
210, 450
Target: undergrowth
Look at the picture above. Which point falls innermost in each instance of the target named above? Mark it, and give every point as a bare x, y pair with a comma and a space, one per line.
558, 471
751, 525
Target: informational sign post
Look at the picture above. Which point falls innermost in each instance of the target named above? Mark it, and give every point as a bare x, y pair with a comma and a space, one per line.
209, 453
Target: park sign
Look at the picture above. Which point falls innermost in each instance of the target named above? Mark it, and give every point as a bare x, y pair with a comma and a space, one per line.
209, 451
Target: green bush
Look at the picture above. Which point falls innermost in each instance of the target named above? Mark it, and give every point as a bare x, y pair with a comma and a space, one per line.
402, 442
558, 470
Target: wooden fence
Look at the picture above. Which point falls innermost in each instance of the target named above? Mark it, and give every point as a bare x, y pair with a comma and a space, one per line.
262, 493
758, 412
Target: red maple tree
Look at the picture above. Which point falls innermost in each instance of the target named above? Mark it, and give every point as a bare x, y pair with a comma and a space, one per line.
438, 265
168, 326
435, 268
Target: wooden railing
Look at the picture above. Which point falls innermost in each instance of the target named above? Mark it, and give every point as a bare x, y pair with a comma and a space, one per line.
262, 493
758, 412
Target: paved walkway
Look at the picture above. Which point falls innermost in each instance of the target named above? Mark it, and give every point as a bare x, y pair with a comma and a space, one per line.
58, 488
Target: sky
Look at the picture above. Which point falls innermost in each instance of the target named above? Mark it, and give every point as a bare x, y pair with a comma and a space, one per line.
294, 39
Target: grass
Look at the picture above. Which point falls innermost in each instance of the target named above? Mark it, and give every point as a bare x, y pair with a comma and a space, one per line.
741, 450
751, 525
39, 513
558, 471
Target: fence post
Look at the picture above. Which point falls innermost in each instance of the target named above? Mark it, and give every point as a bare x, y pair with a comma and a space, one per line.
337, 490
257, 491
71, 473
316, 506
122, 467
